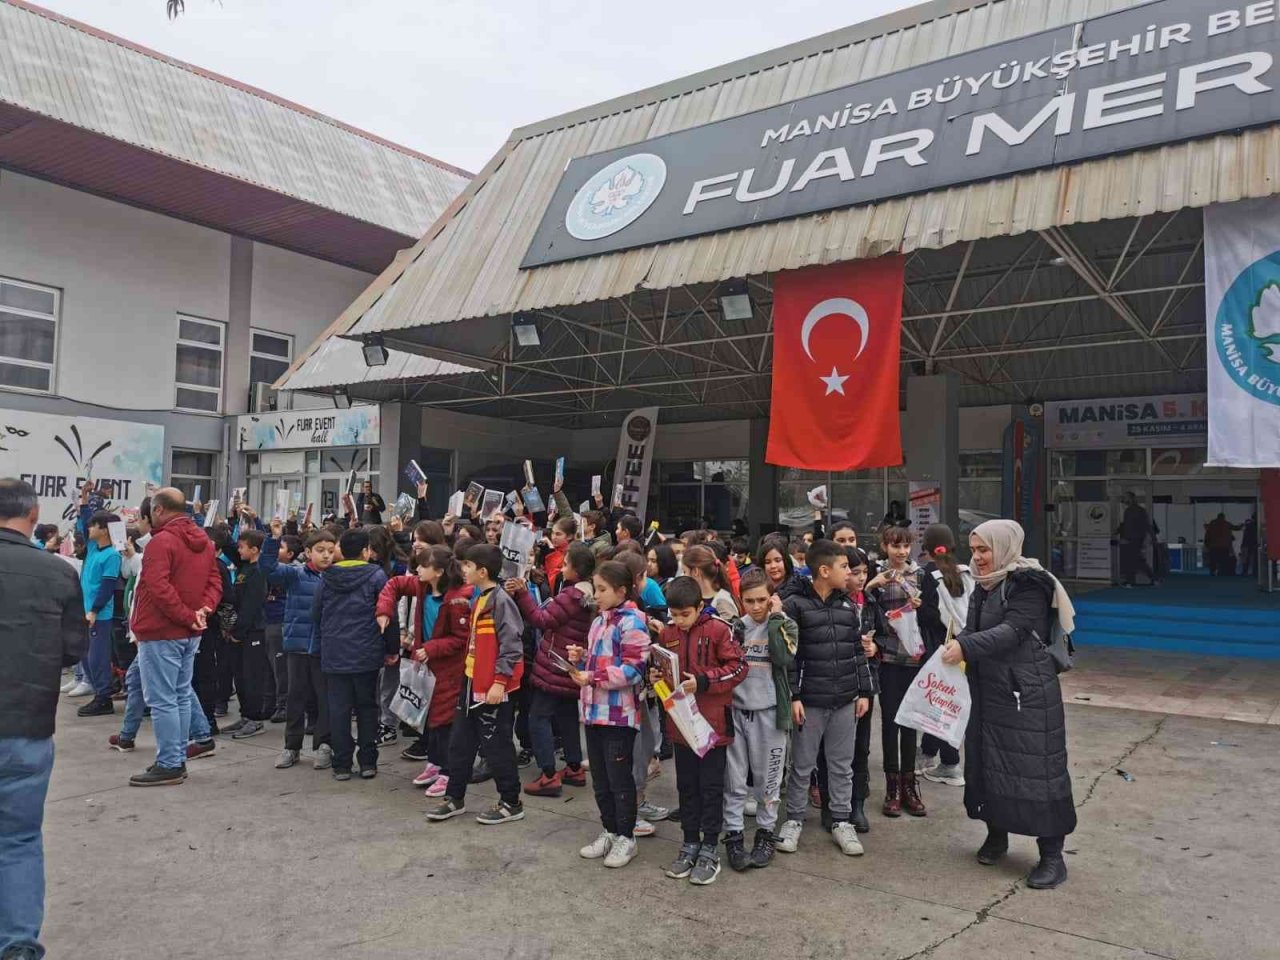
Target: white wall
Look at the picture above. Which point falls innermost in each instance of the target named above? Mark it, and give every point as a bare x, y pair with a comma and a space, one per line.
124, 275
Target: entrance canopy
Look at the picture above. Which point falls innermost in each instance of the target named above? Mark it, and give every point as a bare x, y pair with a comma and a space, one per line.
1061, 282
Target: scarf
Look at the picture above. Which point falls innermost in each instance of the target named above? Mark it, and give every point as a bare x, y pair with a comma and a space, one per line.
1005, 538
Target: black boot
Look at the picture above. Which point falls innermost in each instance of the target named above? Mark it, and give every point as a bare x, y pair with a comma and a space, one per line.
736, 851
994, 847
762, 851
859, 818
1052, 868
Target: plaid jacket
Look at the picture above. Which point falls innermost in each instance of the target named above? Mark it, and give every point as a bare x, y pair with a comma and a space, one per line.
617, 650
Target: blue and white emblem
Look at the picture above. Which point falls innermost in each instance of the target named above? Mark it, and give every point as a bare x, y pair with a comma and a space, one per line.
616, 196
1247, 331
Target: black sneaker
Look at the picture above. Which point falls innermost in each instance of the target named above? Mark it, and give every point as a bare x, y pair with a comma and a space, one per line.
682, 865
158, 776
386, 735
481, 772
502, 812
447, 809
220, 709
415, 753
762, 851
707, 868
524, 758
279, 716
736, 851
674, 813
97, 708
1050, 872
368, 773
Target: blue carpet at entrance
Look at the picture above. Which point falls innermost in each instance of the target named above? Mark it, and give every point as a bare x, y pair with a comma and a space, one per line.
1218, 616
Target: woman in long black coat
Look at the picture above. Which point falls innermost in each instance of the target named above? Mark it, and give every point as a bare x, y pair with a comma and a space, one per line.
1016, 777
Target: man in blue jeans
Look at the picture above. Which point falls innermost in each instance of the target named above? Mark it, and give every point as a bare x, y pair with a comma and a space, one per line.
41, 631
177, 588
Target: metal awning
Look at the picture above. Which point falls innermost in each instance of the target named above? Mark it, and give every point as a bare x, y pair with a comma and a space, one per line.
340, 363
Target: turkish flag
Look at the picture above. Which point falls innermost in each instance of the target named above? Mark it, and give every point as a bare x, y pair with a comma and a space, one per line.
836, 332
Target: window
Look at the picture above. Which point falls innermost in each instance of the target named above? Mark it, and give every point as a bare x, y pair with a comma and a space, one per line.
693, 492
28, 335
198, 373
191, 468
269, 356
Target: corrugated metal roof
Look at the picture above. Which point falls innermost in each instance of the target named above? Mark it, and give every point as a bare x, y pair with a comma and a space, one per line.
340, 363
70, 72
467, 266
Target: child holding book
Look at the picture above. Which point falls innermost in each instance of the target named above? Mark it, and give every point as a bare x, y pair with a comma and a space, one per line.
761, 720
609, 672
711, 666
441, 605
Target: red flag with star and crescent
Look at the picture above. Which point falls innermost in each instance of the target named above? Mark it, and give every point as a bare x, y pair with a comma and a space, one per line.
836, 333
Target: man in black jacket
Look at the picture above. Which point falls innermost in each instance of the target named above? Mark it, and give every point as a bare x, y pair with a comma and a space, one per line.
41, 632
831, 686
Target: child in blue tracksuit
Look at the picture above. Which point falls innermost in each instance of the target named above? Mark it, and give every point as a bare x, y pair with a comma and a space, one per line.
301, 643
99, 577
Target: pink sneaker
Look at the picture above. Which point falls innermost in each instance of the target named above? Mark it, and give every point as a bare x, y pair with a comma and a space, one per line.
428, 776
438, 786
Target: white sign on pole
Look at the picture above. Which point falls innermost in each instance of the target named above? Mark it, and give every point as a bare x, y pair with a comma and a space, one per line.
1093, 519
1177, 419
635, 459
1093, 559
57, 454
1242, 312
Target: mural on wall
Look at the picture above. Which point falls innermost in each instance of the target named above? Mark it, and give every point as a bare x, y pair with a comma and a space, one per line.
57, 454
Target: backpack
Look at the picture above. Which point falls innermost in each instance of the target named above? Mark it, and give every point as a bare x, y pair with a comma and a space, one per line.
1059, 646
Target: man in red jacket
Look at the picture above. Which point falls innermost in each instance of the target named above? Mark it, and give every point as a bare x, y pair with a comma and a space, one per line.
178, 587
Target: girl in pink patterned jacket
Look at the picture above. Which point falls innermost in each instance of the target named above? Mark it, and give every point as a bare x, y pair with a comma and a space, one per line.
610, 673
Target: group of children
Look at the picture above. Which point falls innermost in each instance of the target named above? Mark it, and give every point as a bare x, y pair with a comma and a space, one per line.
784, 663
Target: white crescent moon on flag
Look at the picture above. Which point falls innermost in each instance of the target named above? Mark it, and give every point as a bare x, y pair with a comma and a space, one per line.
836, 306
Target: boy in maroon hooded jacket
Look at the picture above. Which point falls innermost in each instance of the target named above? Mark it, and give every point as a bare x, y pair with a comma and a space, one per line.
711, 665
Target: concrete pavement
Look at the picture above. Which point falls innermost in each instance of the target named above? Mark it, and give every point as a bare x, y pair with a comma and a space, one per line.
247, 861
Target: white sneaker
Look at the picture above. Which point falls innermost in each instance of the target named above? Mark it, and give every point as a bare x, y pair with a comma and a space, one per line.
322, 759
752, 807
952, 774
644, 829
621, 853
81, 689
66, 687
601, 846
924, 763
846, 839
789, 836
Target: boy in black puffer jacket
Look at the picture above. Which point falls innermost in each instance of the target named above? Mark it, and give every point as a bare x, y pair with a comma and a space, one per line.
353, 651
831, 686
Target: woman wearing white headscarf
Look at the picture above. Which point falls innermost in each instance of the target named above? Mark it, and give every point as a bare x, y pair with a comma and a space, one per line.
1016, 777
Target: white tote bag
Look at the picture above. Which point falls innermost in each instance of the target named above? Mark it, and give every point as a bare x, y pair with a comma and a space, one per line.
413, 699
937, 701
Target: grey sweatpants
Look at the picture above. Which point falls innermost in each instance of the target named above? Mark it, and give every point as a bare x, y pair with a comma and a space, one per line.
647, 738
761, 748
839, 727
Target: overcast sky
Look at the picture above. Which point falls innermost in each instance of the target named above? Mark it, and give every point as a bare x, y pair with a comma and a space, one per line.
453, 77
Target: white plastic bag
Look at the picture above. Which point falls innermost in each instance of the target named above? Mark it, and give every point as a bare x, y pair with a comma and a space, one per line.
413, 699
937, 701
905, 624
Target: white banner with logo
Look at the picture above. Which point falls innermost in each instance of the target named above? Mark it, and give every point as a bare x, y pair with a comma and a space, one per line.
57, 454
307, 429
635, 459
1242, 311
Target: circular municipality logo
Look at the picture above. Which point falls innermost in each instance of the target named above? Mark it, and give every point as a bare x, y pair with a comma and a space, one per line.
616, 196
639, 429
1247, 329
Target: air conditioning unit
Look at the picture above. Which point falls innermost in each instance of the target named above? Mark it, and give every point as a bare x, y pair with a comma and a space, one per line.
262, 399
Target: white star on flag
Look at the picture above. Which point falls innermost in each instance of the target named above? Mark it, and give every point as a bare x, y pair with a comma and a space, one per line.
835, 382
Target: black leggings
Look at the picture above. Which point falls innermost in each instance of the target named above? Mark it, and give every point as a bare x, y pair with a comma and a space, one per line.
898, 743
610, 750
931, 746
